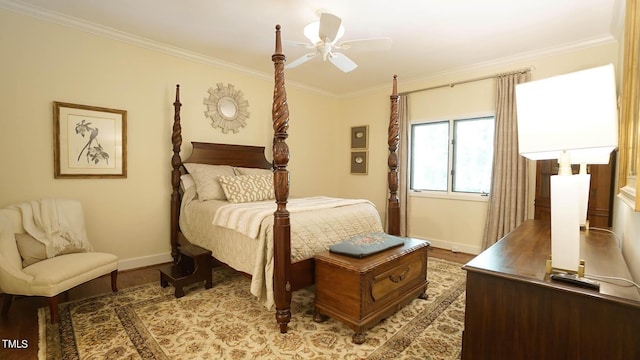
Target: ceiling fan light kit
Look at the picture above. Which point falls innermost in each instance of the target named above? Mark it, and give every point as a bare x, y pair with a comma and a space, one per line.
323, 36
312, 32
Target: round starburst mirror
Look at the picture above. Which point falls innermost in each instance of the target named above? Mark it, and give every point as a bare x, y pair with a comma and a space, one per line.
227, 108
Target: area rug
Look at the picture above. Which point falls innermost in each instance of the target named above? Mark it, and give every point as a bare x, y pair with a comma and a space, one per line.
225, 322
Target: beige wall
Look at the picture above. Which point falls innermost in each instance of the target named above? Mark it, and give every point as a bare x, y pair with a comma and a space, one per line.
43, 62
627, 227
450, 224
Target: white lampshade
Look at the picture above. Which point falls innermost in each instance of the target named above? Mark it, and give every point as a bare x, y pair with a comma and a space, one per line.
575, 112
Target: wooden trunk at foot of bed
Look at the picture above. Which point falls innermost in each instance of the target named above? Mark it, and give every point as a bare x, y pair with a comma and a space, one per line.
288, 277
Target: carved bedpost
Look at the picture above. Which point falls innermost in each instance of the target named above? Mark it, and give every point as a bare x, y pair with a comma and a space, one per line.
393, 207
176, 162
281, 224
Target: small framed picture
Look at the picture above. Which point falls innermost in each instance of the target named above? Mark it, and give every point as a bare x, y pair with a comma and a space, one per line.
89, 141
359, 162
360, 137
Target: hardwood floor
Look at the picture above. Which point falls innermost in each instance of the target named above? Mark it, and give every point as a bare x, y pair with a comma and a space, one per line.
21, 323
458, 257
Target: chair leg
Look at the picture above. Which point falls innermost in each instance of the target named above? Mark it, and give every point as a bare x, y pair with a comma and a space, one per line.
114, 281
53, 308
7, 299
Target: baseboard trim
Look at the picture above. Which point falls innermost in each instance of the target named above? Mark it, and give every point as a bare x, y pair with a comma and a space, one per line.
144, 261
453, 246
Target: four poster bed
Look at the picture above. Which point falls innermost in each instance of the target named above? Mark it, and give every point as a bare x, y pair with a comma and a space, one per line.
278, 256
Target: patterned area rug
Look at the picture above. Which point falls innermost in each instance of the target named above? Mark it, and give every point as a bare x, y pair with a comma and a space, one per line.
224, 322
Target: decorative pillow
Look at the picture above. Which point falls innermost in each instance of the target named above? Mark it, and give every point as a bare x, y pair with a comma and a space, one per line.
245, 188
206, 179
31, 250
251, 171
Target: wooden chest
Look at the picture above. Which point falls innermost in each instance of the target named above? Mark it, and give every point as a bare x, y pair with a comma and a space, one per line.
362, 291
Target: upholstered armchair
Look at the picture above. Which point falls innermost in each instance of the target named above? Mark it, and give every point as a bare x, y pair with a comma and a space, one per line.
48, 277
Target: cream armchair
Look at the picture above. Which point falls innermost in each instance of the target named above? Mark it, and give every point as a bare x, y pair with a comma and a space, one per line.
49, 277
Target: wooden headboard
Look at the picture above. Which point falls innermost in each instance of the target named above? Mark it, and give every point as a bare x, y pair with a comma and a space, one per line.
226, 154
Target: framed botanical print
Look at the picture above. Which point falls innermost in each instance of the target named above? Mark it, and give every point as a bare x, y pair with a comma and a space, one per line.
89, 141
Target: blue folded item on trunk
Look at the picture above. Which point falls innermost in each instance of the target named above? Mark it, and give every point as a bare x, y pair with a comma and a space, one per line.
366, 244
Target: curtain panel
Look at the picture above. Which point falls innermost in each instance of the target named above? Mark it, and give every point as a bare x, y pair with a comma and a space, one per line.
510, 182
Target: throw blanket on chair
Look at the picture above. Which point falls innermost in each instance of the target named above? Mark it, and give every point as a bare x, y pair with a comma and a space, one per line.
57, 223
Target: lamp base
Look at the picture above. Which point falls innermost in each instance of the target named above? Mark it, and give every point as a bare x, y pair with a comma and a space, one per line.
580, 271
565, 221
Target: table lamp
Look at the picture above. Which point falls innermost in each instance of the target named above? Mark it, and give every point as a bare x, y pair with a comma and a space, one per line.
572, 118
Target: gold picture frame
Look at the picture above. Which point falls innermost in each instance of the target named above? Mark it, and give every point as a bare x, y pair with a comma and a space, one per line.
89, 141
359, 162
629, 141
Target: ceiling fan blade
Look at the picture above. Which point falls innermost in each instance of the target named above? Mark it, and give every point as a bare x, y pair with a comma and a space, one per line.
329, 27
298, 43
365, 44
301, 60
342, 62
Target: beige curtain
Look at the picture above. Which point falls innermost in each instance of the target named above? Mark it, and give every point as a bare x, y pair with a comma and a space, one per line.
403, 155
509, 185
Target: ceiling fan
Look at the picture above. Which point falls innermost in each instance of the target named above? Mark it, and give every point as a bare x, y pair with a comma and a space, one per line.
323, 36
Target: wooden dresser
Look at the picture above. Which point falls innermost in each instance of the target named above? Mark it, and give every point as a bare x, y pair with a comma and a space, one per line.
514, 311
362, 291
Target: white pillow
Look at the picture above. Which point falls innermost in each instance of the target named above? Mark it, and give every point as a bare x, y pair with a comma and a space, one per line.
251, 171
186, 181
245, 188
206, 179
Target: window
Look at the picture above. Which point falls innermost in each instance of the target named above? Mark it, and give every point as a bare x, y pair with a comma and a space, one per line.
452, 154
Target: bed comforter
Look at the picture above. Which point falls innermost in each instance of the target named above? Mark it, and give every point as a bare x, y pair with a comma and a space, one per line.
250, 249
